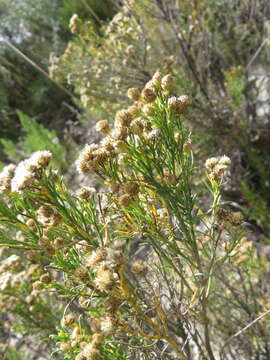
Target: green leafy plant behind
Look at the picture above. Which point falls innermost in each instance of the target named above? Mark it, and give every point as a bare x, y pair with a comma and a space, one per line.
37, 137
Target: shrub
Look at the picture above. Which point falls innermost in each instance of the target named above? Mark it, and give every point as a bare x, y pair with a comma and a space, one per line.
141, 269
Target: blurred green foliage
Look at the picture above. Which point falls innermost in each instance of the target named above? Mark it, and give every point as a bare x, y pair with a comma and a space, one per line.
36, 137
37, 28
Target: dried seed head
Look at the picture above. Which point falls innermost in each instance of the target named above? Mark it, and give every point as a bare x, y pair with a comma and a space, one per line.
131, 188
225, 160
30, 299
22, 177
148, 95
187, 145
82, 274
83, 167
134, 94
107, 144
134, 110
65, 346
85, 192
125, 200
137, 126
156, 79
122, 118
101, 156
95, 258
92, 354
31, 224
37, 285
45, 278
85, 161
58, 243
217, 166
46, 211
107, 325
102, 126
105, 280
168, 178
39, 160
80, 356
97, 339
68, 320
178, 105
94, 324
211, 163
148, 109
44, 242
184, 101
120, 146
169, 60
139, 268
236, 218
120, 133
114, 187
6, 177
73, 23
20, 235
167, 82
154, 135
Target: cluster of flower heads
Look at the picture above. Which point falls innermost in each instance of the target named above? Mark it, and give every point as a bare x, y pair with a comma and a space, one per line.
85, 192
13, 274
229, 220
47, 216
89, 347
131, 121
18, 178
6, 177
217, 166
7, 276
116, 59
74, 23
106, 262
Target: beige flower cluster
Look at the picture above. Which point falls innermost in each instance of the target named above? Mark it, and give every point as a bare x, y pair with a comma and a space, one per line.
18, 178
132, 121
217, 166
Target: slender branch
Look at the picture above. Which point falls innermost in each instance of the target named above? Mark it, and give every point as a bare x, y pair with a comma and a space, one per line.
38, 68
243, 330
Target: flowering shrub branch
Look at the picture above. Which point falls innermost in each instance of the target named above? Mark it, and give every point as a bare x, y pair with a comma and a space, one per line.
139, 263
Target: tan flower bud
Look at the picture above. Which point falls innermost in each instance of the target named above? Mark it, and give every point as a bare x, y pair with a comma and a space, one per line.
68, 320
148, 109
134, 94
102, 126
123, 118
45, 278
131, 188
139, 268
114, 187
156, 79
120, 133
31, 224
167, 82
124, 200
187, 145
37, 285
58, 243
137, 126
148, 95
120, 146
